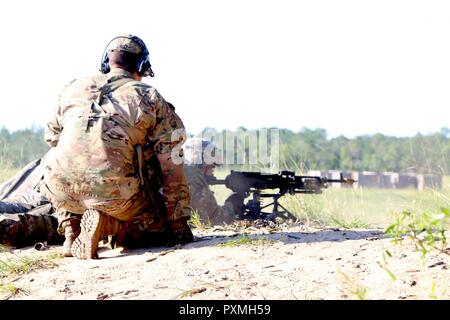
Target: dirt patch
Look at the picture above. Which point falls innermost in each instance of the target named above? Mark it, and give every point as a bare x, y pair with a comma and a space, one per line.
255, 263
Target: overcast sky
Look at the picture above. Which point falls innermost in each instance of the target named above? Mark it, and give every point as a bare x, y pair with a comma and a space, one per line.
350, 67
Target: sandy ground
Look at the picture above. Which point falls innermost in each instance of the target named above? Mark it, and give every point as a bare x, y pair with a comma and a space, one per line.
292, 263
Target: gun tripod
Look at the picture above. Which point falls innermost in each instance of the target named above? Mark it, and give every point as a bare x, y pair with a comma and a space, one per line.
253, 208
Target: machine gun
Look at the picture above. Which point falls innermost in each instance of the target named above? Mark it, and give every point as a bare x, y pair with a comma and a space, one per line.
253, 183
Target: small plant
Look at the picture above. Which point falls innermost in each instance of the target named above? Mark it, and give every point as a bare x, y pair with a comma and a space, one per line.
357, 290
426, 230
245, 240
384, 265
190, 293
198, 222
308, 296
433, 294
10, 290
18, 266
13, 264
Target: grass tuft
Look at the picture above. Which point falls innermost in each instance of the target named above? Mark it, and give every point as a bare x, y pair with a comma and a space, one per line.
197, 222
248, 241
355, 223
357, 290
10, 290
13, 264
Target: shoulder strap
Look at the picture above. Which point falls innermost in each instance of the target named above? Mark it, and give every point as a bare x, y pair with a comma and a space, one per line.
91, 111
112, 86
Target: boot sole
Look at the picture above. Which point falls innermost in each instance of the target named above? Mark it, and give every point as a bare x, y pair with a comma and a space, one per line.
86, 244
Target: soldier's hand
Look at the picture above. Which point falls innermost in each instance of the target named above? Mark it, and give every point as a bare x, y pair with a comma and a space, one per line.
179, 232
236, 202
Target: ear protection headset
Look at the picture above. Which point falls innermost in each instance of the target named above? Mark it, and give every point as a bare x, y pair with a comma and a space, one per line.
143, 66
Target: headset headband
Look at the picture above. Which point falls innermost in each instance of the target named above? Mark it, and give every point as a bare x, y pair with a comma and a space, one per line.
143, 61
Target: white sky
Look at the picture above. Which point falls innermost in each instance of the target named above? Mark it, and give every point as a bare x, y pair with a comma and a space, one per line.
350, 67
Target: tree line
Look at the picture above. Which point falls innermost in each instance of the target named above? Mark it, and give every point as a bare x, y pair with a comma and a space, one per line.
21, 147
311, 149
420, 153
302, 150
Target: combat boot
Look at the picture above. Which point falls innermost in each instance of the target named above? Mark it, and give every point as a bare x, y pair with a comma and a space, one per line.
11, 230
94, 227
144, 230
72, 230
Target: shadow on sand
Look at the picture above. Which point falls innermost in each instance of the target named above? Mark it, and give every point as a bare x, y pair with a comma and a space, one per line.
291, 237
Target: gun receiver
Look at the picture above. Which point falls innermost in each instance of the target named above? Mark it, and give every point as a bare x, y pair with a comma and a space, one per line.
286, 182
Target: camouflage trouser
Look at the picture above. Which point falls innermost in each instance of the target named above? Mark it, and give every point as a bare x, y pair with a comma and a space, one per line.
142, 222
142, 216
148, 199
25, 229
143, 230
38, 225
122, 210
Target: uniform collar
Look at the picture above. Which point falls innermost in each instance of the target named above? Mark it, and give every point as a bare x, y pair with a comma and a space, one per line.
117, 73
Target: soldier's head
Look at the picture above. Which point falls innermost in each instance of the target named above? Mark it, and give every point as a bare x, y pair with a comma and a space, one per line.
202, 154
127, 52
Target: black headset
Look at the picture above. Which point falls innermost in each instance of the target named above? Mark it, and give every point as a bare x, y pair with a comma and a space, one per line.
143, 66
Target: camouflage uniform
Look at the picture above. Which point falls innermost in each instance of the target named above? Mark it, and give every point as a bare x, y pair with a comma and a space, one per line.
140, 231
114, 144
203, 200
103, 145
25, 215
26, 229
198, 154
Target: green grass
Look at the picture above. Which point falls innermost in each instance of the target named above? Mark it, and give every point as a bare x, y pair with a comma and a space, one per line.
364, 207
197, 222
10, 290
14, 264
349, 224
248, 241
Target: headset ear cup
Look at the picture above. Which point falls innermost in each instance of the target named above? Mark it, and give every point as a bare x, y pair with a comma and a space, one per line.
143, 66
104, 68
143, 61
140, 67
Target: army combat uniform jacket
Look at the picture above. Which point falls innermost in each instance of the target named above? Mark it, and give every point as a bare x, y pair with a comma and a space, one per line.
102, 133
203, 200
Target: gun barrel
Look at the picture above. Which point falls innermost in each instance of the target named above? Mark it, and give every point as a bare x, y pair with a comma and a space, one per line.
219, 181
345, 181
214, 181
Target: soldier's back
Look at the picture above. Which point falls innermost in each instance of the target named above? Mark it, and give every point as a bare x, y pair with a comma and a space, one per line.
95, 154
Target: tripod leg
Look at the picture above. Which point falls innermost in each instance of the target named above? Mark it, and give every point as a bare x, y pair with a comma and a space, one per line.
288, 213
